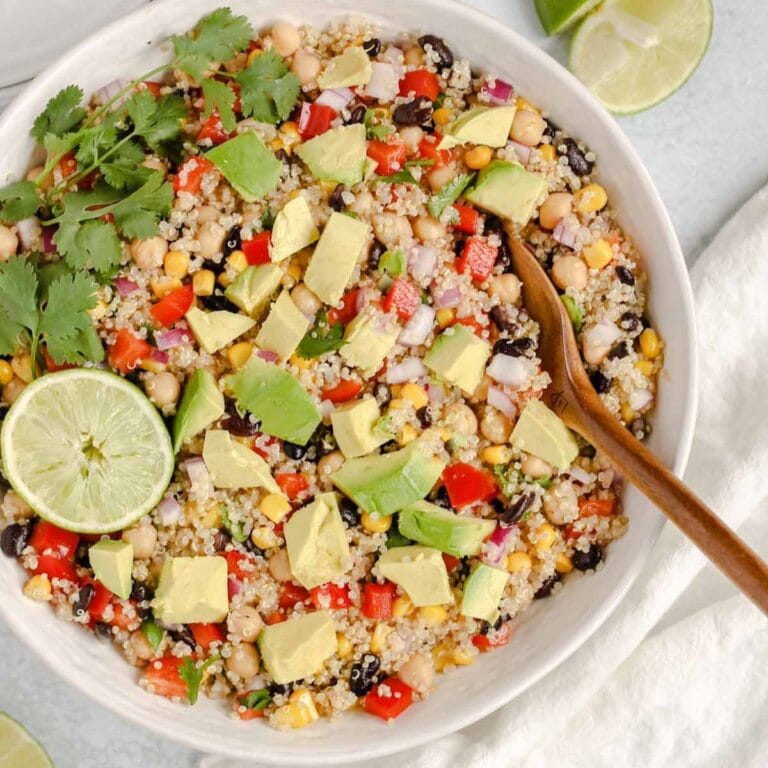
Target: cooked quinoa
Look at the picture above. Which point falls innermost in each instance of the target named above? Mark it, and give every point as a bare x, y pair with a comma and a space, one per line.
547, 522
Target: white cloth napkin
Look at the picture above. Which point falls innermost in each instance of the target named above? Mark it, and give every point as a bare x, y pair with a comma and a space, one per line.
678, 674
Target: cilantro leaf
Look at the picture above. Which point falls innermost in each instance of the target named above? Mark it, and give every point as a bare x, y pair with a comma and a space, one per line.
373, 130
62, 113
137, 215
401, 177
157, 121
125, 170
192, 675
83, 346
10, 334
92, 143
66, 310
90, 245
19, 201
449, 194
268, 91
508, 481
153, 633
18, 292
219, 98
258, 700
321, 338
235, 529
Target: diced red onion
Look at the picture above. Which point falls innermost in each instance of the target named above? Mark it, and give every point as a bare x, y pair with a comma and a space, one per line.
508, 370
384, 83
234, 587
265, 354
173, 338
601, 335
564, 234
436, 393
580, 475
501, 402
110, 90
125, 287
365, 296
409, 370
497, 545
395, 56
501, 534
639, 399
198, 476
169, 511
498, 93
418, 327
448, 299
159, 357
335, 98
48, 245
422, 261
30, 232
523, 152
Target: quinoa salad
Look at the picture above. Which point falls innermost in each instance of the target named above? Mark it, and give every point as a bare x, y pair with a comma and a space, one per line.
336, 476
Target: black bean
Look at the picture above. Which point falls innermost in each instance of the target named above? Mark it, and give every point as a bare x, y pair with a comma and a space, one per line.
514, 347
502, 317
252, 548
213, 266
280, 689
550, 129
239, 424
588, 451
83, 600
15, 538
233, 241
416, 112
349, 512
381, 394
630, 322
377, 249
141, 592
518, 507
83, 555
218, 301
577, 162
587, 561
336, 201
486, 627
424, 415
181, 633
372, 47
103, 630
441, 497
504, 257
624, 275
545, 590
640, 428
493, 226
618, 351
362, 676
294, 451
600, 382
356, 114
322, 442
439, 48
390, 446
462, 570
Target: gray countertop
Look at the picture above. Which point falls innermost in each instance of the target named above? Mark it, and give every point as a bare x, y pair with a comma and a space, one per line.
704, 150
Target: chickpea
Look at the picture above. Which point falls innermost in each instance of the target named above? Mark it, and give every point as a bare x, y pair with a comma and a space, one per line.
33, 174
9, 243
557, 206
206, 213
414, 57
154, 164
140, 646
362, 204
392, 230
480, 395
461, 418
495, 426
411, 136
143, 539
12, 390
561, 505
305, 300
439, 177
329, 464
418, 672
162, 388
506, 287
210, 236
527, 128
427, 229
279, 566
594, 354
21, 365
243, 662
286, 38
306, 66
533, 466
149, 253
245, 623
570, 272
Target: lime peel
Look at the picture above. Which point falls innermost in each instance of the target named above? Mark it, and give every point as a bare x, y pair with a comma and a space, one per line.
17, 747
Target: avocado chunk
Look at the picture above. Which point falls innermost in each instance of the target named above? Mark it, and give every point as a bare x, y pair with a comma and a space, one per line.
420, 571
316, 542
354, 427
353, 67
112, 563
433, 526
214, 330
293, 229
192, 590
541, 432
284, 327
276, 399
369, 337
247, 165
201, 405
385, 483
339, 154
335, 257
481, 125
233, 465
253, 287
297, 648
483, 589
459, 356
507, 190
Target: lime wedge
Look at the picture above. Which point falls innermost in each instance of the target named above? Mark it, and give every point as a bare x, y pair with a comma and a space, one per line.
632, 54
86, 450
17, 748
557, 15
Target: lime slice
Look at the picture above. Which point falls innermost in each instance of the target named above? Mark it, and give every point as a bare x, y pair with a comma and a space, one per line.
557, 15
86, 450
17, 748
632, 54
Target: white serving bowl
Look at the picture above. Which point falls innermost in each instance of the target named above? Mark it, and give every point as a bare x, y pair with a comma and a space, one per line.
553, 628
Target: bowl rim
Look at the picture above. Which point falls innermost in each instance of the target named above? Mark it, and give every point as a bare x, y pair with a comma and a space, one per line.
463, 716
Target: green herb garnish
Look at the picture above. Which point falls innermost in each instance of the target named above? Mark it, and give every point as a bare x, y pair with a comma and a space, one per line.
449, 194
235, 529
192, 675
574, 312
268, 91
375, 130
401, 177
257, 700
153, 633
321, 338
396, 539
393, 262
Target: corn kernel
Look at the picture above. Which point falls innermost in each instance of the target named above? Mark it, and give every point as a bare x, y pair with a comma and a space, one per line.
237, 261
416, 394
294, 270
399, 404
240, 353
563, 563
224, 279
442, 116
432, 615
445, 434
478, 157
211, 517
98, 311
598, 254
519, 562
396, 390
645, 367
252, 55
445, 317
264, 537
379, 637
38, 588
650, 343
300, 362
627, 414
203, 282
298, 712
402, 606
275, 507
442, 655
522, 104
22, 367
590, 199
276, 145
376, 523
6, 372
290, 128
327, 186
407, 435
176, 263
343, 646
497, 454
462, 657
545, 537
548, 153
152, 366
162, 286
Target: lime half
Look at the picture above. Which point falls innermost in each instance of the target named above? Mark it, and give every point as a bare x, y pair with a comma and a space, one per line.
557, 15
86, 450
632, 54
17, 748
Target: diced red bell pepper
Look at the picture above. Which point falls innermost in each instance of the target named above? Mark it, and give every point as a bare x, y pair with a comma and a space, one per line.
451, 562
390, 156
291, 594
470, 322
163, 678
420, 82
213, 130
469, 218
207, 634
268, 440
127, 351
151, 86
240, 565
478, 258
52, 366
48, 538
190, 175
315, 119
388, 699
173, 306
331, 596
101, 599
467, 484
247, 713
120, 617
428, 151
292, 484
345, 390
378, 599
67, 164
256, 249
600, 507
404, 297
494, 639
348, 311
55, 567
276, 617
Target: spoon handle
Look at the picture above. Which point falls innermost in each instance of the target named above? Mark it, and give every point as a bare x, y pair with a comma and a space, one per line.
694, 518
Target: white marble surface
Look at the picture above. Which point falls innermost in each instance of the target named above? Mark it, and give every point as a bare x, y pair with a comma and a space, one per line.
703, 148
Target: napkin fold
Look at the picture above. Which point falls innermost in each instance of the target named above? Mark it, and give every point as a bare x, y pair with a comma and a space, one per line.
677, 675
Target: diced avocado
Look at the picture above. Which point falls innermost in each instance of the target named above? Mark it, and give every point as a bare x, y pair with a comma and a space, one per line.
316, 542
336, 155
192, 590
112, 563
293, 229
458, 535
214, 330
201, 405
459, 356
353, 67
385, 483
420, 571
369, 337
276, 399
507, 190
297, 648
233, 465
481, 125
354, 427
483, 589
284, 327
247, 165
541, 432
335, 257
253, 287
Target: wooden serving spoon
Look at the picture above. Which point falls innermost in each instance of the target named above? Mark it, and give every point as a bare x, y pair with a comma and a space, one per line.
575, 401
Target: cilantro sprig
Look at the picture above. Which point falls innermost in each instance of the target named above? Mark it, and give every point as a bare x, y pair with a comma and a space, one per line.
192, 675
321, 338
448, 194
373, 129
258, 700
268, 91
